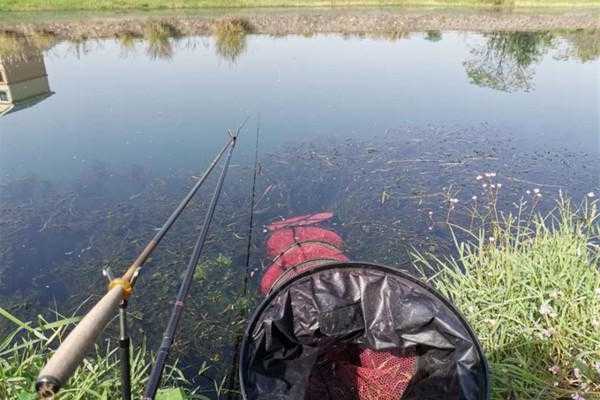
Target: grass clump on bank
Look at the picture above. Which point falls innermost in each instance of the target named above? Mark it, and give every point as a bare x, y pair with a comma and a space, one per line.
24, 352
531, 291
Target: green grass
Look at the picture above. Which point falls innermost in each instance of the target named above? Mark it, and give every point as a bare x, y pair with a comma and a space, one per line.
532, 294
24, 351
36, 5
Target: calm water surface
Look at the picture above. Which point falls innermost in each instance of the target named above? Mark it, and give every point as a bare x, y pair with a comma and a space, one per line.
124, 106
383, 132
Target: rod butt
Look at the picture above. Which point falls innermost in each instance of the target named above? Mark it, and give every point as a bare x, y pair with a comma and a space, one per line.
47, 386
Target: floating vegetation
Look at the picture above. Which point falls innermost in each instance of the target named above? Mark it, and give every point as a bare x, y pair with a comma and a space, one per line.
230, 37
530, 287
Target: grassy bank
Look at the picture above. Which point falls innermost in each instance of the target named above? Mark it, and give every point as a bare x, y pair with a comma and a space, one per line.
24, 351
531, 291
39, 5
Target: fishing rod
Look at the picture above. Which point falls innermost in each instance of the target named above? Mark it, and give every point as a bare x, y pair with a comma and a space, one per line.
231, 375
176, 313
68, 356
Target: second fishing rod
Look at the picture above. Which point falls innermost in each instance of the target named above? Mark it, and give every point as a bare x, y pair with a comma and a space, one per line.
177, 312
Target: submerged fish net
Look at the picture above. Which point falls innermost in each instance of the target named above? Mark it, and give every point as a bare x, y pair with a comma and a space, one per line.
331, 329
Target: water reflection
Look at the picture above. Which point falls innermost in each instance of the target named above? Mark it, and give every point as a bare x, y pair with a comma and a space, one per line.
159, 36
230, 38
23, 77
504, 62
583, 45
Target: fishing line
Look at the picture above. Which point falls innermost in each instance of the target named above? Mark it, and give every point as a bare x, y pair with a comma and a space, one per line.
252, 201
176, 313
231, 375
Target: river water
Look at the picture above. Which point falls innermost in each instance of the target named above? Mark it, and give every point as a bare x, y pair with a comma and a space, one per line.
384, 131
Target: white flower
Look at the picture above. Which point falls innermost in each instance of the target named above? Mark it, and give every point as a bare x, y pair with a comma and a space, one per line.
577, 396
546, 309
591, 194
479, 177
577, 373
492, 239
538, 195
430, 213
474, 198
597, 291
490, 174
596, 323
555, 294
597, 367
555, 369
499, 185
492, 186
536, 190
453, 201
548, 332
484, 185
528, 191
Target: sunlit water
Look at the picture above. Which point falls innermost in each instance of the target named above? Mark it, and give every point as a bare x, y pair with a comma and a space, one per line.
383, 132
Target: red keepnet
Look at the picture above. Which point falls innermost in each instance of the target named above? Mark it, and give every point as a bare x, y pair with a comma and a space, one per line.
346, 372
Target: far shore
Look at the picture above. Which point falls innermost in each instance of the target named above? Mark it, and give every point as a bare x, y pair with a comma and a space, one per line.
353, 21
66, 5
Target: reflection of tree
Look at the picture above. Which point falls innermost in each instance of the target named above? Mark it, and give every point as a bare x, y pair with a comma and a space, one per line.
230, 38
584, 45
504, 61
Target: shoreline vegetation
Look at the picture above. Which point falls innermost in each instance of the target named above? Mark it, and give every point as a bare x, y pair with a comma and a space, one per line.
392, 23
529, 284
64, 5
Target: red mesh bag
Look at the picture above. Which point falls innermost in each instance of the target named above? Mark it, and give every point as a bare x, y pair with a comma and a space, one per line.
284, 238
301, 220
296, 255
354, 372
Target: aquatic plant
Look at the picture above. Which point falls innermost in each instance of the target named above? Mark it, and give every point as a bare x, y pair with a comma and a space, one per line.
230, 37
531, 290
